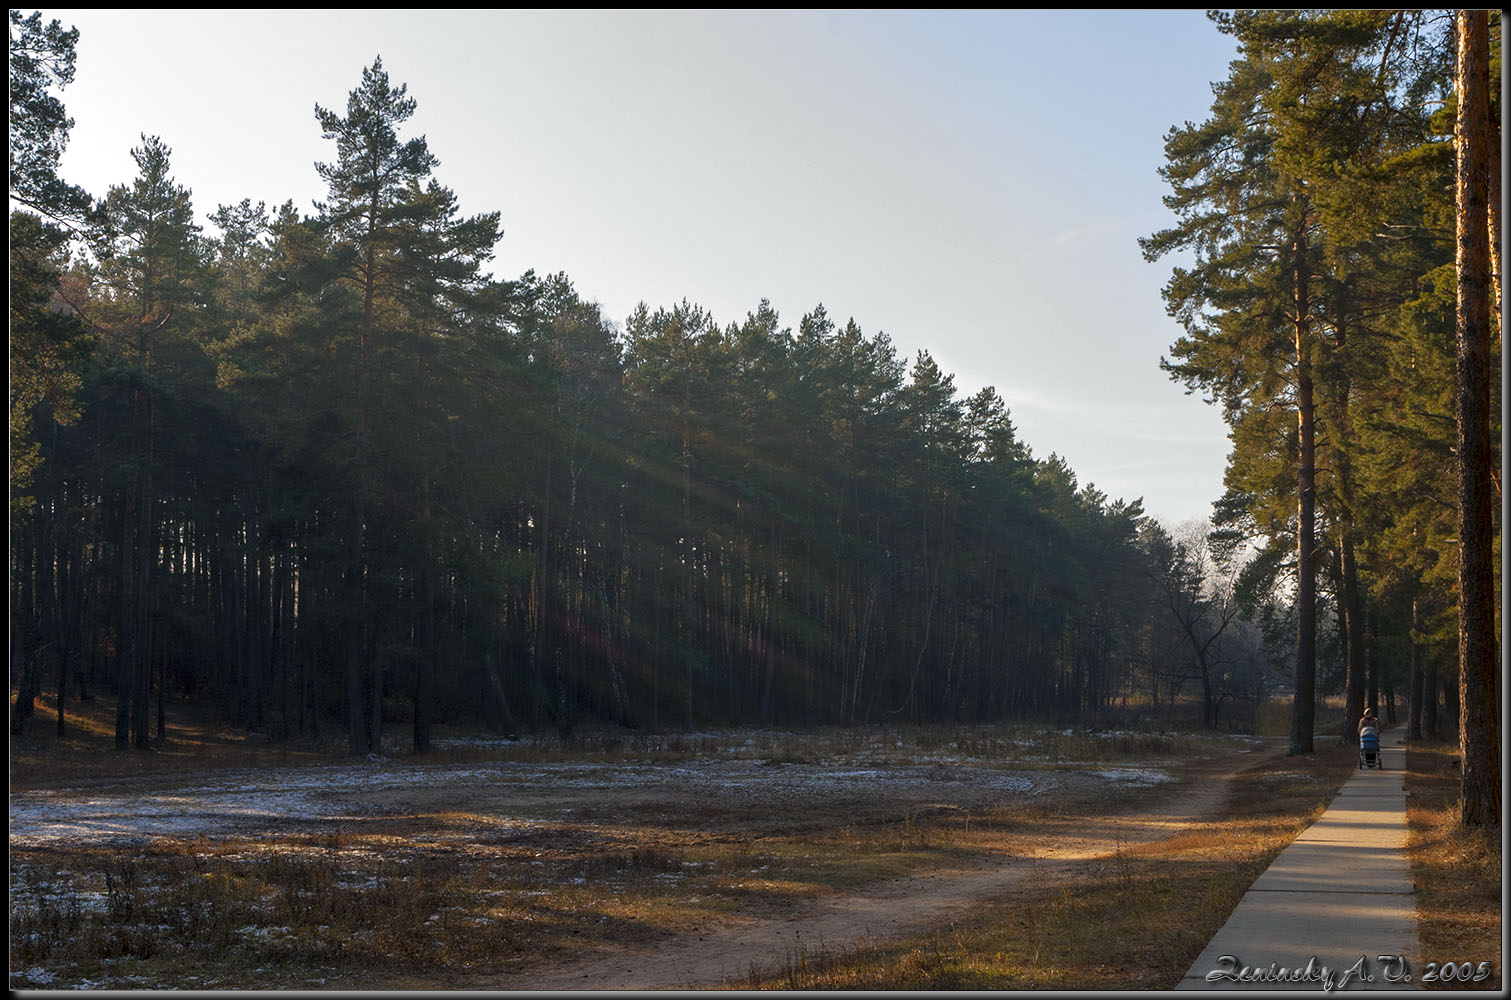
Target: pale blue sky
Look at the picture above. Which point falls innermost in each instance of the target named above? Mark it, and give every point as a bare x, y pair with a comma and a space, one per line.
972, 183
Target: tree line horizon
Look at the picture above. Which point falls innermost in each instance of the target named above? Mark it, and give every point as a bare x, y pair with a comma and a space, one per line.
324, 471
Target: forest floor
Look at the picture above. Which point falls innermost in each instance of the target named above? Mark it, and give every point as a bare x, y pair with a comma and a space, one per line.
1457, 871
614, 860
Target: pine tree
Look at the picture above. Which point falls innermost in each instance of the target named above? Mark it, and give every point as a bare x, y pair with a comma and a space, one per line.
1247, 303
48, 348
1479, 659
411, 269
144, 299
42, 57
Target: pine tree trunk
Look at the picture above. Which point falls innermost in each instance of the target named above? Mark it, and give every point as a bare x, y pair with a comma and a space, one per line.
1414, 710
70, 582
687, 610
425, 660
539, 613
355, 622
1493, 212
769, 624
358, 624
1430, 727
375, 725
67, 631
79, 624
1303, 707
126, 619
1479, 659
1341, 436
277, 569
1371, 676
23, 634
141, 701
162, 688
1353, 629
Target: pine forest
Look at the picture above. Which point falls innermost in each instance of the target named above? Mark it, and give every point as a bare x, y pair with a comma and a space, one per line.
321, 469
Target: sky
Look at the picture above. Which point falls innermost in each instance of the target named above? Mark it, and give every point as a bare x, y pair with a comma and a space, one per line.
971, 183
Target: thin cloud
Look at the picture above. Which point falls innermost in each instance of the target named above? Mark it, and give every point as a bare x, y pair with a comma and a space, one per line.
1106, 227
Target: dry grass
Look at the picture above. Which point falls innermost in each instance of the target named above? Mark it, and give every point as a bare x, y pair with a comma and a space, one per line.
399, 896
265, 915
1273, 718
1457, 871
1153, 906
436, 898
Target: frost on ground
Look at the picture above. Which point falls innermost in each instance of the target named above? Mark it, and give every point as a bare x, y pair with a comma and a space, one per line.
275, 799
504, 795
1135, 776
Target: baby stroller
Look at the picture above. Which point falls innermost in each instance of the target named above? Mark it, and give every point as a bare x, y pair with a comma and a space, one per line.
1369, 748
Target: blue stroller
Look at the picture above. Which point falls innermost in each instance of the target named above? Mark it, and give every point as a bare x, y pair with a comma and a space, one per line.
1369, 748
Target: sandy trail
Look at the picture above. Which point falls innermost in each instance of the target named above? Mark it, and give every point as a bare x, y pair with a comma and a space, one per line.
898, 907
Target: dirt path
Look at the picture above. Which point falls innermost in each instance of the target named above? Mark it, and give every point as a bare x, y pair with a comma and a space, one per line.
894, 908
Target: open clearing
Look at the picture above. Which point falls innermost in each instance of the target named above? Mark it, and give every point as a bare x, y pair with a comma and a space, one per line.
609, 861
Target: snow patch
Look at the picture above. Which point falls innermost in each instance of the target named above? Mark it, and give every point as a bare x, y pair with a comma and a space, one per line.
1135, 776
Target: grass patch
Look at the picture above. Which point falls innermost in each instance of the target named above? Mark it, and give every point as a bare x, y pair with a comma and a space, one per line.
1273, 717
1154, 906
1457, 871
300, 914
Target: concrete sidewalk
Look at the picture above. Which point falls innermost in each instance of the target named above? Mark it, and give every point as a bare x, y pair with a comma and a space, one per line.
1335, 909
